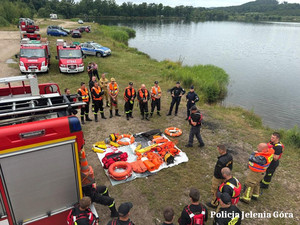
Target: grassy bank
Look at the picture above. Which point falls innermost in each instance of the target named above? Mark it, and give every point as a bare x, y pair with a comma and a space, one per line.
238, 129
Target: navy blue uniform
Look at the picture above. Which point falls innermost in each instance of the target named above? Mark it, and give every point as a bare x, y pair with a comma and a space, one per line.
191, 98
177, 92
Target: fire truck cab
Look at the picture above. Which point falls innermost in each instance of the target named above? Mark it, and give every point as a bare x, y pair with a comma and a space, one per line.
34, 56
40, 177
28, 29
70, 57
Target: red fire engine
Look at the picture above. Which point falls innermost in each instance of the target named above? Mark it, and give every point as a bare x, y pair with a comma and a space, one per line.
41, 145
28, 29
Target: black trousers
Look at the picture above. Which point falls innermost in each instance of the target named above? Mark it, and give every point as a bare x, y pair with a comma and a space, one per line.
144, 108
99, 195
269, 174
195, 131
175, 100
128, 107
155, 103
85, 110
98, 104
188, 106
96, 74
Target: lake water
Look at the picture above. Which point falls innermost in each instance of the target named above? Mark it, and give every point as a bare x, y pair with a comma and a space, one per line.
262, 59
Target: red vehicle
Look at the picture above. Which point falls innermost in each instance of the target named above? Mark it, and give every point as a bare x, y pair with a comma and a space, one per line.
40, 174
34, 56
28, 29
70, 57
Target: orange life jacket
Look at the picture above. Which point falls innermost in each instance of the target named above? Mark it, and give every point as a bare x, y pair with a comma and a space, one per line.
84, 94
270, 145
97, 90
143, 95
262, 168
129, 93
236, 190
113, 89
154, 93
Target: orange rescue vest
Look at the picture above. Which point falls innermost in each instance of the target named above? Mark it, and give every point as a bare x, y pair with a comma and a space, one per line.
143, 95
97, 90
236, 190
113, 89
270, 145
262, 168
129, 93
154, 93
84, 94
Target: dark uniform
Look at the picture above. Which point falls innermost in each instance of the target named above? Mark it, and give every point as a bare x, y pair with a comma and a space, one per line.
177, 92
231, 215
90, 71
101, 196
129, 96
97, 94
143, 95
85, 97
191, 98
223, 161
195, 209
195, 129
278, 148
120, 222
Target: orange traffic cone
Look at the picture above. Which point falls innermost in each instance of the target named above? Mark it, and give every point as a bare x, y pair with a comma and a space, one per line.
87, 172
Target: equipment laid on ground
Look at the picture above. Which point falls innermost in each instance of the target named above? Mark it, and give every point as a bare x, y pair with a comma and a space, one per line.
124, 136
120, 175
69, 56
40, 153
173, 131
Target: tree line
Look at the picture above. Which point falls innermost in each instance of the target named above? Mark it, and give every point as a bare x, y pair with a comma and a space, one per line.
11, 10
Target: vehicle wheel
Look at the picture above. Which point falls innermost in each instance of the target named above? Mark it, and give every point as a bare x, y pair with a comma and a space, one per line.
98, 54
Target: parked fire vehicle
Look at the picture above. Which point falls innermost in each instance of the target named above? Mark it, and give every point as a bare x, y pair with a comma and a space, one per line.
34, 56
28, 29
70, 57
42, 160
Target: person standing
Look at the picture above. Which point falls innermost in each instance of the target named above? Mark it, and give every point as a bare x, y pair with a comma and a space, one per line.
195, 211
229, 214
95, 70
90, 70
97, 94
278, 148
168, 216
259, 161
129, 96
224, 160
124, 213
92, 82
113, 91
177, 92
143, 97
85, 97
191, 98
155, 95
104, 85
195, 121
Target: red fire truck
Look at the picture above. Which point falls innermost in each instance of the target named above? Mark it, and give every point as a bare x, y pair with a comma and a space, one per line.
41, 146
34, 56
70, 57
28, 29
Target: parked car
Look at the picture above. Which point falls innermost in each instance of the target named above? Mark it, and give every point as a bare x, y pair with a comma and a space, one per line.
56, 32
93, 48
80, 21
84, 29
60, 28
76, 34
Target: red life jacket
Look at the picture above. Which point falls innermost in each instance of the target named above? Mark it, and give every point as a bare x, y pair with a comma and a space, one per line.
262, 168
197, 218
236, 190
97, 90
270, 145
77, 217
112, 157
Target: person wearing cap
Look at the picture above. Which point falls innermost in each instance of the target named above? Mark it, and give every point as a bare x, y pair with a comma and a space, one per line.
129, 96
176, 92
113, 91
143, 97
191, 99
85, 97
228, 214
97, 94
195, 121
124, 213
224, 160
195, 210
103, 84
155, 96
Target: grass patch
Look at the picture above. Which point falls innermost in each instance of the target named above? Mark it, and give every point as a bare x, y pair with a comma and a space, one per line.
291, 137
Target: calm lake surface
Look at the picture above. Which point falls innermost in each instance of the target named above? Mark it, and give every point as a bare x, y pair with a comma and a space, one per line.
262, 59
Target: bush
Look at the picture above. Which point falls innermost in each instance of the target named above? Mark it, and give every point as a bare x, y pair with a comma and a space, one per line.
291, 136
3, 22
121, 34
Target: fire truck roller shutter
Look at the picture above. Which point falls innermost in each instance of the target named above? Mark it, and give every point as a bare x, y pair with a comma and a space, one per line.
44, 178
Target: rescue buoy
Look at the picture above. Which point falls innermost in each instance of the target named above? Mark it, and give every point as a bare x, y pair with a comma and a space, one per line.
173, 131
120, 175
120, 142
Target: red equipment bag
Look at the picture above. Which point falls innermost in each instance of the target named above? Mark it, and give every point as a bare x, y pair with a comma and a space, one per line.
77, 217
112, 157
196, 218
